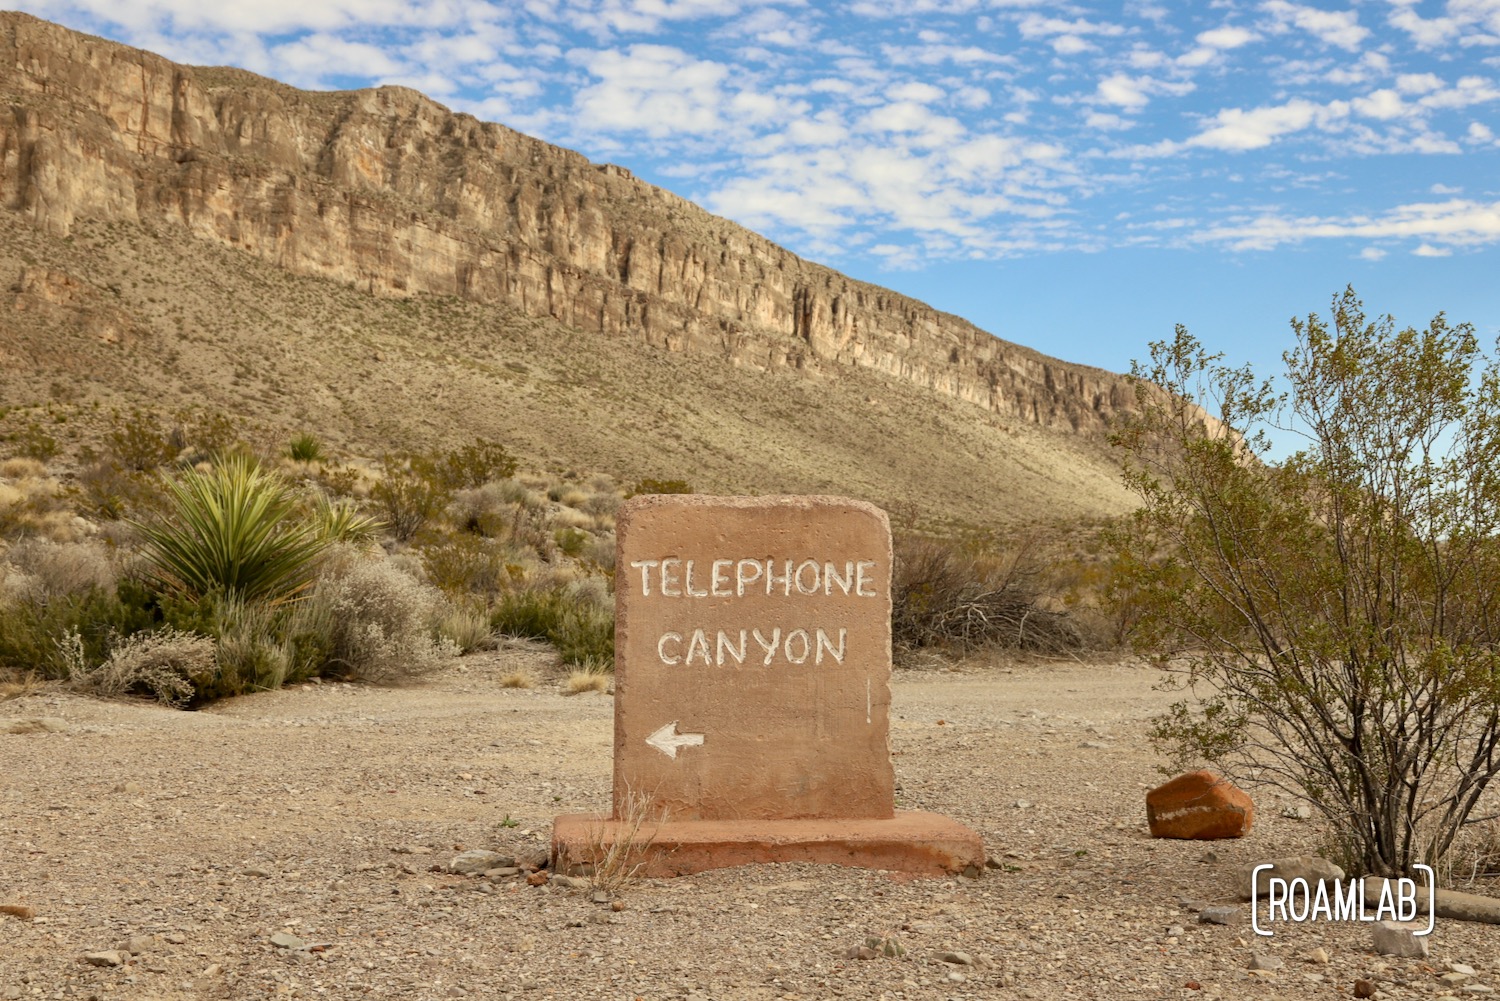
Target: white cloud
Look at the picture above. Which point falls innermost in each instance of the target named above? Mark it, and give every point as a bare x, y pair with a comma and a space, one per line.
1480, 133
1237, 129
1372, 254
653, 89
1227, 37
1107, 122
1339, 28
1428, 250
1445, 189
1440, 226
1134, 93
1383, 104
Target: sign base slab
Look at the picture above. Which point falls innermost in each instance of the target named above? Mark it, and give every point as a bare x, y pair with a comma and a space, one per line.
924, 844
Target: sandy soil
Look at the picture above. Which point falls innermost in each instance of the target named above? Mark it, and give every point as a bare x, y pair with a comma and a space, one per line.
327, 812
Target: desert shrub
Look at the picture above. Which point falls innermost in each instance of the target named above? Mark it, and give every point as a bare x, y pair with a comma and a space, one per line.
655, 486
530, 612
305, 447
599, 553
474, 465
105, 488
409, 495
254, 651
585, 635
31, 442
946, 597
571, 541
30, 629
578, 682
603, 505
138, 443
469, 565
203, 436
578, 619
232, 529
1334, 612
31, 502
383, 623
56, 569
160, 664
467, 628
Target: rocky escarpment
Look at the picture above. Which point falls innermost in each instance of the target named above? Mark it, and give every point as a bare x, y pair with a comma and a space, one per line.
390, 191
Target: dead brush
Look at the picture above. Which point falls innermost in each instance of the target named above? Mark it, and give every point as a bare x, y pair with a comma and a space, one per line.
615, 851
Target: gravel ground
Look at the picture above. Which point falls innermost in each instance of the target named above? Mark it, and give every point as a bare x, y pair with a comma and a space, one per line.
324, 816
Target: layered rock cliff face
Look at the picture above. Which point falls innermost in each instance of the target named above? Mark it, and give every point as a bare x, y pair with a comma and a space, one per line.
392, 192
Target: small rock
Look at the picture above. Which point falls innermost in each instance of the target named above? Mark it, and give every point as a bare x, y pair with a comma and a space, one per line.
1319, 956
174, 938
1364, 988
598, 896
955, 977
109, 958
213, 971
1300, 812
21, 911
1023, 804
134, 945
502, 872
477, 861
1218, 915
131, 788
537, 879
1397, 938
617, 905
285, 940
1199, 806
1459, 968
1477, 989
1209, 857
1176, 931
1454, 978
255, 872
1309, 868
1260, 961
956, 958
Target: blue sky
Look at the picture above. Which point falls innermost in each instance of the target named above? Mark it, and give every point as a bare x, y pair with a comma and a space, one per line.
1077, 178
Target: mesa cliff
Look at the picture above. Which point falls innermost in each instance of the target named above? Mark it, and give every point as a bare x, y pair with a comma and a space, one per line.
389, 192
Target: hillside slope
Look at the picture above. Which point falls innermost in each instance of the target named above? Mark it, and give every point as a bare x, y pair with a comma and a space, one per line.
375, 268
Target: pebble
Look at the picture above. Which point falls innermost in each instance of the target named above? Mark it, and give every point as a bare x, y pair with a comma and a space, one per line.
477, 861
130, 788
285, 940
1364, 988
255, 872
1217, 915
174, 938
108, 958
956, 958
1260, 961
1459, 968
956, 977
18, 911
134, 945
1395, 938
1176, 931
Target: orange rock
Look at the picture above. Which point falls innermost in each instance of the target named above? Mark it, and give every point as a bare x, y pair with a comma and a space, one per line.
1199, 806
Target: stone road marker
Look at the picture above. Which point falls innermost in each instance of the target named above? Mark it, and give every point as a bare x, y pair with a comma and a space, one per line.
752, 690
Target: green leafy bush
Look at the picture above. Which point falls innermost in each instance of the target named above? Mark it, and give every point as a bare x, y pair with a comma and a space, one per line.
410, 494
1334, 612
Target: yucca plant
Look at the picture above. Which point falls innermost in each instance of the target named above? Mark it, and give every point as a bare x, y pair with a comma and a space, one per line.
232, 530
305, 448
342, 521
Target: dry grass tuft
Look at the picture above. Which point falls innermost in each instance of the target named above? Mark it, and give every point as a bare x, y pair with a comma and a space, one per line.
518, 679
586, 681
19, 686
617, 850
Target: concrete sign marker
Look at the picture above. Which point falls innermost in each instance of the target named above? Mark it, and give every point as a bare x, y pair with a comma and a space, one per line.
764, 622
667, 740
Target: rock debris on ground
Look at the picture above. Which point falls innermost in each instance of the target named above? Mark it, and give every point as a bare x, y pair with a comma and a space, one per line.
341, 842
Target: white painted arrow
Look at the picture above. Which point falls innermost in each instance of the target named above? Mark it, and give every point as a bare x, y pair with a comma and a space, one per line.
667, 740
